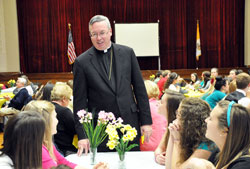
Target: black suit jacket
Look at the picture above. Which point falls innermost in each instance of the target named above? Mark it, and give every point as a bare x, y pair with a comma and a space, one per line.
92, 89
20, 99
235, 96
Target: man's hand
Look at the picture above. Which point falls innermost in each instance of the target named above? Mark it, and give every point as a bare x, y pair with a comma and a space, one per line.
7, 97
146, 130
83, 145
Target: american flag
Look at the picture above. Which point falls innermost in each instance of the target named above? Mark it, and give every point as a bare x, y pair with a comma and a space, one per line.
71, 49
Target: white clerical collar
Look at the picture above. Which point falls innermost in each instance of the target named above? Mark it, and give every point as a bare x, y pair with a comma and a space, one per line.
106, 50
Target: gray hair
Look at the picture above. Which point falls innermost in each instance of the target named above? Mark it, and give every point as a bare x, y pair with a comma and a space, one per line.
99, 18
216, 69
22, 80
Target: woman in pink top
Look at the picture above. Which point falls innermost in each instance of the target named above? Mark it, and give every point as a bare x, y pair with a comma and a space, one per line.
50, 156
159, 121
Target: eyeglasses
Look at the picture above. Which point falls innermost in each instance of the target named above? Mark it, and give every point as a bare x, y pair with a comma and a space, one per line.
101, 34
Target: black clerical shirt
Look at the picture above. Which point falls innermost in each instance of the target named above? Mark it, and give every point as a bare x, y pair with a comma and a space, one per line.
105, 62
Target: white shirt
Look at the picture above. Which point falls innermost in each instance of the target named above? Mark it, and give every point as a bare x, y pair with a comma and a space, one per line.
173, 87
5, 162
241, 91
245, 101
30, 90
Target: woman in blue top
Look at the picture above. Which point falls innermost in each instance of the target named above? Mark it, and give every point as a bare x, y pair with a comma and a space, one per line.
221, 88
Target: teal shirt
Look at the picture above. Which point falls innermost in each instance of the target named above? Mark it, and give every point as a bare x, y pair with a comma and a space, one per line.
210, 146
214, 98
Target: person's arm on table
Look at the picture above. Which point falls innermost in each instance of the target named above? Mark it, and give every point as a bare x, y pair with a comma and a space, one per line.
169, 153
198, 153
160, 151
100, 165
198, 163
174, 138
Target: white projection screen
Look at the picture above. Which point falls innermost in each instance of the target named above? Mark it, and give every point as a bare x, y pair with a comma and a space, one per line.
142, 37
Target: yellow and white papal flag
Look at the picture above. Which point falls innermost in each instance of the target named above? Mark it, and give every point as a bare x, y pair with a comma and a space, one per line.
198, 42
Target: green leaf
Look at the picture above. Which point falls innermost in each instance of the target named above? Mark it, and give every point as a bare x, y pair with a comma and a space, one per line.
131, 146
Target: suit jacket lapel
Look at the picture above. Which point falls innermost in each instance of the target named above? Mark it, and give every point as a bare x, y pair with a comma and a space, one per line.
97, 66
118, 65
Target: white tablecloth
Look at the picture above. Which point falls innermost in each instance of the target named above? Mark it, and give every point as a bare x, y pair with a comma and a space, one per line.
133, 160
8, 90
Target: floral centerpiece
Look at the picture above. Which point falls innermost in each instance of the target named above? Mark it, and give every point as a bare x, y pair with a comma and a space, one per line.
127, 133
96, 134
196, 87
11, 83
152, 77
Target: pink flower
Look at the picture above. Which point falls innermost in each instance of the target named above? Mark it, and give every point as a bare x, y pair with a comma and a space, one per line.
102, 115
81, 113
111, 116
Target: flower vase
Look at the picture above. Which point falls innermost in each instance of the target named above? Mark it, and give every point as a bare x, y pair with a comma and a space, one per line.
122, 164
93, 153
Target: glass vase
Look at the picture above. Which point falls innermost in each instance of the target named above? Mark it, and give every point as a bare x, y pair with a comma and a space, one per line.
93, 153
122, 164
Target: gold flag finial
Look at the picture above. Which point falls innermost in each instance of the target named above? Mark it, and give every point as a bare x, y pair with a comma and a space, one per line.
69, 26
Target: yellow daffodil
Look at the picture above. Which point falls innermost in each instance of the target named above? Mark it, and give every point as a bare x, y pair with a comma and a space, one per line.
120, 144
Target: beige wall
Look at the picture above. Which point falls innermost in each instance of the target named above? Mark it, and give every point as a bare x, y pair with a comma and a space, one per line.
247, 32
9, 47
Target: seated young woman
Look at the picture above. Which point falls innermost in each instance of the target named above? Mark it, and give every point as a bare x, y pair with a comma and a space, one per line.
228, 126
205, 83
20, 151
50, 156
194, 79
159, 121
187, 134
220, 91
171, 82
169, 104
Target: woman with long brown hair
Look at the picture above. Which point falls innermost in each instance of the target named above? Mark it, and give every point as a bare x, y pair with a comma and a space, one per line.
23, 138
229, 127
187, 134
169, 104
